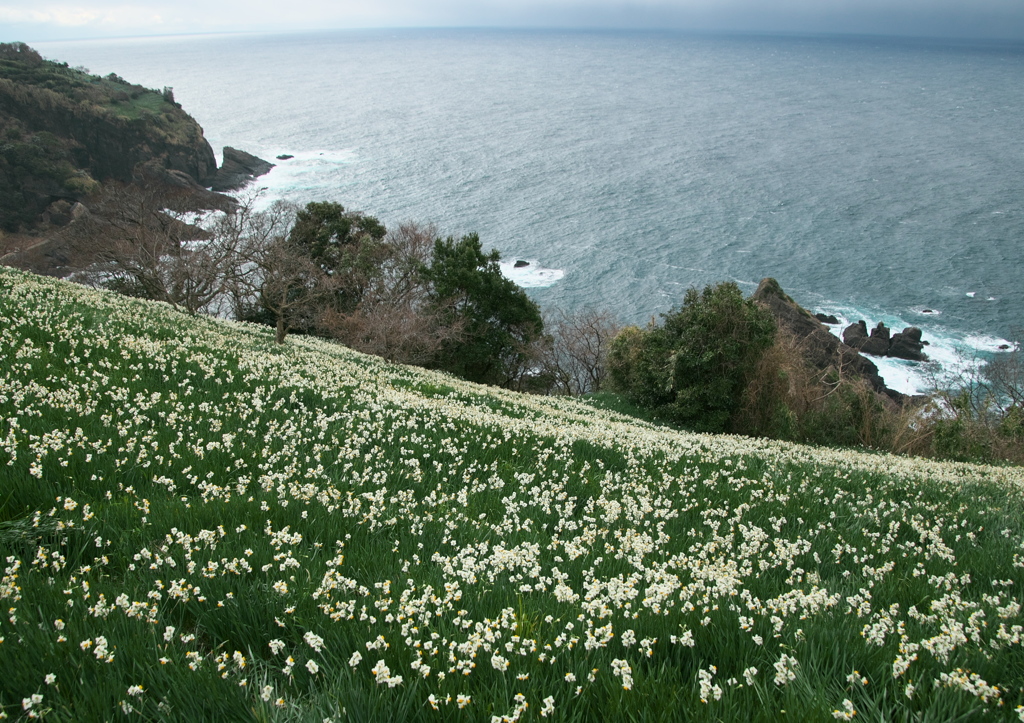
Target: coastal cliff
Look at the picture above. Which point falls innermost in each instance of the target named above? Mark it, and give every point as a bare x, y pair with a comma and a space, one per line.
66, 134
819, 347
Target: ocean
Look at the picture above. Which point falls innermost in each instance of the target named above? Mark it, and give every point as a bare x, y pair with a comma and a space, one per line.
875, 178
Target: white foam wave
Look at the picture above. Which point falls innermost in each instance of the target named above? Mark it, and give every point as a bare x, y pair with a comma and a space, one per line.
304, 170
344, 155
900, 376
950, 355
531, 276
986, 343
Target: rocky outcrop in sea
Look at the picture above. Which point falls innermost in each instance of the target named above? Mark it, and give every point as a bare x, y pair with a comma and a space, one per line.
906, 344
819, 346
237, 170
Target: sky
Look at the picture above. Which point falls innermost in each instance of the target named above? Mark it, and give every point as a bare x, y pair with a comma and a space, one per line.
40, 20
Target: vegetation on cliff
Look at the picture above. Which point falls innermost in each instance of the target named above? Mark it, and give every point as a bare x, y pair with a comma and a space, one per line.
694, 367
764, 366
761, 366
716, 363
64, 131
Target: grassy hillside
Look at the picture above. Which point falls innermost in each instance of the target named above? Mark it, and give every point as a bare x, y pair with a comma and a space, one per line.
199, 524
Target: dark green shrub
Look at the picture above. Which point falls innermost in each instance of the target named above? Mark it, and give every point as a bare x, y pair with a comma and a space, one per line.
1012, 424
849, 414
693, 369
637, 367
961, 440
346, 245
498, 321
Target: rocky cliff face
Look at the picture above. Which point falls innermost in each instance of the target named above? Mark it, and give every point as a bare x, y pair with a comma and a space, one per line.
64, 133
103, 142
820, 347
67, 138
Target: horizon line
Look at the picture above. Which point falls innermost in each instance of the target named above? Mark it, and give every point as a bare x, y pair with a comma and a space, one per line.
706, 32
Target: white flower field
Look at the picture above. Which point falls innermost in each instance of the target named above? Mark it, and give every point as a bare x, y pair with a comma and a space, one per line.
198, 524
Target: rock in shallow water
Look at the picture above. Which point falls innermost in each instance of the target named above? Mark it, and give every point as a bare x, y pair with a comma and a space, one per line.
908, 345
237, 170
904, 345
856, 334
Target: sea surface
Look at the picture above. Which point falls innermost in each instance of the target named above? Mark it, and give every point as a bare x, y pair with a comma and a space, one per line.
877, 179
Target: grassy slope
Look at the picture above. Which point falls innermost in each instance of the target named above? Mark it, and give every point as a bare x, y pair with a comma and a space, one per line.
114, 94
245, 530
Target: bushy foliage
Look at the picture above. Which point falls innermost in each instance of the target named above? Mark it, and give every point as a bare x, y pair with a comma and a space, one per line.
785, 398
338, 249
20, 53
692, 369
498, 319
978, 415
409, 296
34, 169
974, 415
396, 317
346, 245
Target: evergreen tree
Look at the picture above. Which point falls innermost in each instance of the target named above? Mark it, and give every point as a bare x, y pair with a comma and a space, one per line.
694, 367
346, 245
499, 321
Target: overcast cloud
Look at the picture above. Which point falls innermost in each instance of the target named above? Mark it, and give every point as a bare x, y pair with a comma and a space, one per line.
37, 20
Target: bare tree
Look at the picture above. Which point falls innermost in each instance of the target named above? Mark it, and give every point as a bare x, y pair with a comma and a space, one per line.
576, 358
122, 243
1005, 375
139, 241
396, 317
292, 287
271, 273
977, 410
198, 275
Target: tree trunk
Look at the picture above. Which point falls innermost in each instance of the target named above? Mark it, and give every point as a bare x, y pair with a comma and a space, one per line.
281, 330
